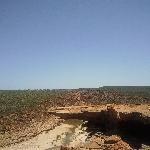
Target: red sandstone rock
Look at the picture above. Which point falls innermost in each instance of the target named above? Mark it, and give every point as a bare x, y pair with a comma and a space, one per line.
112, 139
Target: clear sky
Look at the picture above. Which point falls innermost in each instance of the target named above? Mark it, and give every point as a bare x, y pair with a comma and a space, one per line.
74, 43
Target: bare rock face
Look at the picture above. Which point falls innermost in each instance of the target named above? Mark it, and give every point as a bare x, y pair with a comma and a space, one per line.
121, 146
102, 143
111, 118
114, 142
112, 139
67, 148
92, 145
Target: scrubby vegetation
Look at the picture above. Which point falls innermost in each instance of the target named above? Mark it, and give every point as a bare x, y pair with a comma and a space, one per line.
130, 90
18, 100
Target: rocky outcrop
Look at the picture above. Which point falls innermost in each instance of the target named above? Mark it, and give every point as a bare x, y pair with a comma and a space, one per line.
124, 121
108, 116
102, 143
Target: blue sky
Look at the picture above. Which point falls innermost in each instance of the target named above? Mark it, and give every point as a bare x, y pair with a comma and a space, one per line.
74, 43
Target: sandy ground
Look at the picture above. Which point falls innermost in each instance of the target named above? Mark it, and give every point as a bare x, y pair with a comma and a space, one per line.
53, 139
